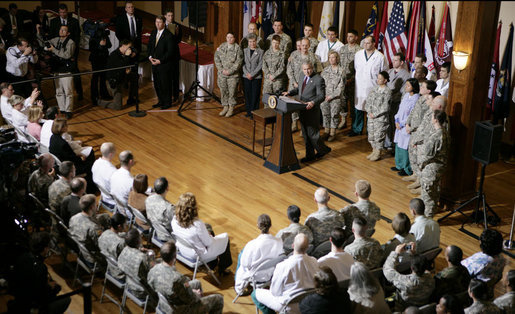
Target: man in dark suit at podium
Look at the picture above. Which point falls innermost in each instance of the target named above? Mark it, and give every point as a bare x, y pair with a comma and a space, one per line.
160, 54
311, 92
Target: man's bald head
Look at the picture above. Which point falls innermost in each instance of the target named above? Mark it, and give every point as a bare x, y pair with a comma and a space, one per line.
321, 196
439, 103
300, 244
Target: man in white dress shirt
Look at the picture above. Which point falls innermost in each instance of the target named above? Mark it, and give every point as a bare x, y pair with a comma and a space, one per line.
290, 276
421, 61
103, 169
121, 180
263, 248
331, 43
338, 260
425, 230
442, 85
6, 108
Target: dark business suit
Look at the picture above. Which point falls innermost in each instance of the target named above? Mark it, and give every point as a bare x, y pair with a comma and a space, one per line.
176, 57
310, 119
6, 32
161, 72
123, 30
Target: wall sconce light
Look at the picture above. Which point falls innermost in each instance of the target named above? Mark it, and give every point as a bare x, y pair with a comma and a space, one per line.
460, 60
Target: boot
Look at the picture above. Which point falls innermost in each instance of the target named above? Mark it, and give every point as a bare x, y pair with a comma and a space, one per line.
229, 112
332, 135
325, 136
294, 127
224, 111
416, 191
371, 154
376, 155
414, 185
412, 177
343, 122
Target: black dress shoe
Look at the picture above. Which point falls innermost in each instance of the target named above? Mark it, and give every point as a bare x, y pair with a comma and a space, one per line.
157, 105
402, 173
320, 155
131, 101
166, 106
69, 115
395, 169
307, 159
352, 134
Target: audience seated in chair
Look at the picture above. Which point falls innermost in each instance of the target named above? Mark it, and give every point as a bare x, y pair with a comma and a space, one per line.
34, 117
478, 291
159, 211
70, 205
488, 264
121, 181
138, 197
41, 179
324, 220
367, 208
506, 302
425, 229
288, 234
103, 169
290, 276
364, 249
455, 277
265, 247
111, 242
328, 297
401, 225
60, 188
183, 295
413, 289
189, 227
365, 292
337, 260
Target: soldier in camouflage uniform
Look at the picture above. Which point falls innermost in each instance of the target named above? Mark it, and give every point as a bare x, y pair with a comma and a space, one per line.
274, 69
334, 85
506, 302
183, 295
40, 179
111, 243
478, 291
347, 53
313, 42
252, 28
433, 162
85, 229
159, 211
323, 221
413, 289
364, 249
367, 209
455, 278
61, 188
228, 61
288, 234
286, 43
376, 106
136, 262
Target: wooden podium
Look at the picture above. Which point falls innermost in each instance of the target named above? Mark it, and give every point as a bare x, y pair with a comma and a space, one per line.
282, 157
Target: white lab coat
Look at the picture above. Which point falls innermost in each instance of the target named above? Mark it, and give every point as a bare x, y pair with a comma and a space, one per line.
323, 49
366, 74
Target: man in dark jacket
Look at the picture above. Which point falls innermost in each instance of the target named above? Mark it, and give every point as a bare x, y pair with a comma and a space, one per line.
99, 45
116, 78
175, 30
160, 54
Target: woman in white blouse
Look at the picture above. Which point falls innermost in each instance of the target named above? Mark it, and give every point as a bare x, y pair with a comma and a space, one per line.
188, 226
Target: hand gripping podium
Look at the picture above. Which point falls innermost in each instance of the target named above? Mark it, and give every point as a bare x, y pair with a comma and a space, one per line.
282, 157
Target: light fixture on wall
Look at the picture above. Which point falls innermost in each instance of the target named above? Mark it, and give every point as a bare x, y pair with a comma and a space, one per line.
460, 59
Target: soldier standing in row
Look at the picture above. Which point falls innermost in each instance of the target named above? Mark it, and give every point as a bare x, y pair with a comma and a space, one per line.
313, 42
347, 53
274, 68
253, 29
285, 39
376, 106
228, 61
334, 85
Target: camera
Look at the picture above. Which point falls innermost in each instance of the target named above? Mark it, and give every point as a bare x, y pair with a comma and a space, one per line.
47, 44
408, 247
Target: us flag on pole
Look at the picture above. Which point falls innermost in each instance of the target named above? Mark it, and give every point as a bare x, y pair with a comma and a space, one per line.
395, 37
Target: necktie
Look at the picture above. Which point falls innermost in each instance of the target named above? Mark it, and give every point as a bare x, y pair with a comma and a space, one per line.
63, 22
304, 83
157, 37
133, 28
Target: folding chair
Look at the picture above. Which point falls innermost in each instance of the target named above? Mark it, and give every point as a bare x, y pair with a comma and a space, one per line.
22, 135
193, 263
295, 298
154, 239
431, 255
139, 215
271, 263
163, 307
122, 208
111, 262
57, 160
102, 202
427, 309
321, 250
128, 293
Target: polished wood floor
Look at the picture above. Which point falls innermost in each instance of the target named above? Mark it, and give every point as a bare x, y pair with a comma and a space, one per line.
233, 188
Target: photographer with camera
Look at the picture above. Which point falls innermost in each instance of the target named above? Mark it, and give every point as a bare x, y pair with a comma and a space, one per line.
116, 78
63, 48
17, 67
99, 45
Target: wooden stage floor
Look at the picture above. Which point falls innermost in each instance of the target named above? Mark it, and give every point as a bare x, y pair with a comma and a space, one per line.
233, 188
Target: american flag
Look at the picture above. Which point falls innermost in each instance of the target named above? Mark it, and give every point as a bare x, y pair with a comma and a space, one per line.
395, 37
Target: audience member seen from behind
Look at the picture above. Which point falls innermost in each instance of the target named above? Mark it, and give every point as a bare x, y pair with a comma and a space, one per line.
425, 229
137, 196
34, 117
368, 209
41, 179
159, 210
455, 277
288, 234
364, 249
365, 292
338, 260
401, 225
506, 302
478, 291
111, 243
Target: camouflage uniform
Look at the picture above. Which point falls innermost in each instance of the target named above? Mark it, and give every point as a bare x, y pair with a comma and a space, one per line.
112, 244
135, 263
230, 58
377, 104
414, 120
480, 307
160, 212
506, 302
452, 280
370, 211
432, 166
411, 289
284, 45
86, 231
274, 63
334, 86
348, 213
288, 235
347, 54
56, 193
322, 223
244, 43
166, 280
39, 183
367, 251
313, 43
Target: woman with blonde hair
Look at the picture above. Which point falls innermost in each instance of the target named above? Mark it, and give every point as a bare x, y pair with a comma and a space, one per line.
33, 127
189, 227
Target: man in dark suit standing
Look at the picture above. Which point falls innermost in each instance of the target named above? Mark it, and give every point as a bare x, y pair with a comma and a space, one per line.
311, 92
129, 27
176, 32
67, 19
13, 23
160, 52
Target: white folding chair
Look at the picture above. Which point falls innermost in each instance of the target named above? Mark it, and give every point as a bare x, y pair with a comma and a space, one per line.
295, 298
193, 263
163, 307
111, 263
139, 215
122, 208
157, 228
128, 293
57, 160
427, 309
22, 135
102, 202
